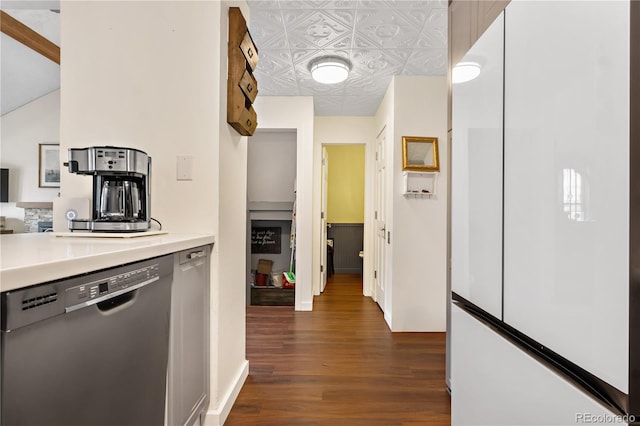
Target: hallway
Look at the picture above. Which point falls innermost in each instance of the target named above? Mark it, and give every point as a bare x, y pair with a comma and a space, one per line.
340, 365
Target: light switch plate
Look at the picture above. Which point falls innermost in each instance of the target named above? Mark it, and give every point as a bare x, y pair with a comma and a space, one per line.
184, 167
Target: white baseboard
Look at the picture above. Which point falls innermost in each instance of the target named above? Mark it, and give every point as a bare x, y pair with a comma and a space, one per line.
306, 306
218, 415
387, 318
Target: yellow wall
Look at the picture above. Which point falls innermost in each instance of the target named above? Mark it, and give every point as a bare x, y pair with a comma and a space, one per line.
345, 186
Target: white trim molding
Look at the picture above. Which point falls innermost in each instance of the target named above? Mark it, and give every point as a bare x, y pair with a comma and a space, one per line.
217, 416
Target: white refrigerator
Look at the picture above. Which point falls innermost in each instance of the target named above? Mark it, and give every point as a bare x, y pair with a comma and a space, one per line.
546, 218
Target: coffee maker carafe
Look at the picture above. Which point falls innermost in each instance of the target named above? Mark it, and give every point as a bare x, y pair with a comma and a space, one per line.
121, 190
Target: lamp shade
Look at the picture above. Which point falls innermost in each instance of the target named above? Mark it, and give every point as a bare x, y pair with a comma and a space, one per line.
329, 69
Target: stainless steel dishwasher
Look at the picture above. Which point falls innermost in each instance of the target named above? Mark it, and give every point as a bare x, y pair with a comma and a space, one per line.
90, 350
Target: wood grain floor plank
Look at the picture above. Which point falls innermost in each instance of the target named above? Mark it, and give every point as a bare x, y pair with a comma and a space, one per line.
339, 365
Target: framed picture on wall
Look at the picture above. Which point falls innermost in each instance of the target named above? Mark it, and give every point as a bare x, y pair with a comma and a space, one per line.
420, 154
49, 165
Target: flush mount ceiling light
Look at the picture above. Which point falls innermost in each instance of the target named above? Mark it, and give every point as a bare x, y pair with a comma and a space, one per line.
329, 69
465, 71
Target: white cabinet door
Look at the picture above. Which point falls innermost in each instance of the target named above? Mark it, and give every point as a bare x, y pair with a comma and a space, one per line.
188, 383
476, 197
495, 383
566, 178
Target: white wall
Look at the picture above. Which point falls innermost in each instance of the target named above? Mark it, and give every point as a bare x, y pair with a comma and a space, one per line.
416, 268
296, 112
232, 239
22, 130
344, 131
271, 166
152, 76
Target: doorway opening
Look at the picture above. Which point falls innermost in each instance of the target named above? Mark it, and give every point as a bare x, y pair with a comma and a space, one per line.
271, 200
343, 211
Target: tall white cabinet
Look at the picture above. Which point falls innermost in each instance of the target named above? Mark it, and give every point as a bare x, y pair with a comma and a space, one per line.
543, 236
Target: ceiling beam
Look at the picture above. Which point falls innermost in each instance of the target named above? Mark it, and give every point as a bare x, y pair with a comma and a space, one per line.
25, 35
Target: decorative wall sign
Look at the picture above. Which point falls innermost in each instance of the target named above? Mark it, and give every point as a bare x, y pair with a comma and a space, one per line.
266, 239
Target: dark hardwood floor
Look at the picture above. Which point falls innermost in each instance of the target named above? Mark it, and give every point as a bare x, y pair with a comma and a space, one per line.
339, 365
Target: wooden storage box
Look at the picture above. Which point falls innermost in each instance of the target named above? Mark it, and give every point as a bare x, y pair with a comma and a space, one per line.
264, 266
272, 296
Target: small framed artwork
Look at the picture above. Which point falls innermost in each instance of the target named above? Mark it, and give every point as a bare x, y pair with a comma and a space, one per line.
49, 165
420, 154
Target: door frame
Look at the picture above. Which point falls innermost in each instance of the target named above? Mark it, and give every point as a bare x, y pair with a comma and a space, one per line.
367, 285
323, 218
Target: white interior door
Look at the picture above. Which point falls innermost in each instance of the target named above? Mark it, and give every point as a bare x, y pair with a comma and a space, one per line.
379, 220
323, 221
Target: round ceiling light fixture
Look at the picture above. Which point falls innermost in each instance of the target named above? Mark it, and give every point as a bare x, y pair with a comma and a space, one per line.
329, 69
465, 71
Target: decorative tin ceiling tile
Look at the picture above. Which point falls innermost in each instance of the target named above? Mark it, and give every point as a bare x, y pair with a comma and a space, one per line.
275, 42
427, 62
328, 105
303, 55
373, 4
410, 4
376, 62
304, 4
291, 16
274, 86
274, 62
362, 42
343, 4
263, 4
381, 38
361, 105
367, 86
434, 33
318, 29
341, 43
347, 17
387, 29
269, 34
416, 13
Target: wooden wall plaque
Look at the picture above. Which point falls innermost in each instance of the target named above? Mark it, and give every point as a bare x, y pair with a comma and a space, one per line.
242, 87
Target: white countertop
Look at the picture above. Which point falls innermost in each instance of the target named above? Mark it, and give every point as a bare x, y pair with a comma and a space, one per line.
27, 259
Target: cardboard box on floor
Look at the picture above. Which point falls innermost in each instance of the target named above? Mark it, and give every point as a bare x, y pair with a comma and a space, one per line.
264, 266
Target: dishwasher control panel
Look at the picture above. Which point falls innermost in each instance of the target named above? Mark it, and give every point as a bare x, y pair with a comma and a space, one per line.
114, 286
88, 293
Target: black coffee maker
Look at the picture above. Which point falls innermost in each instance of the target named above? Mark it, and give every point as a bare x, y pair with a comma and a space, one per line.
121, 188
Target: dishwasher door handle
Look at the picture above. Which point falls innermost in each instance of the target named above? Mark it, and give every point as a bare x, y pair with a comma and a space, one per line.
109, 296
196, 255
114, 302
